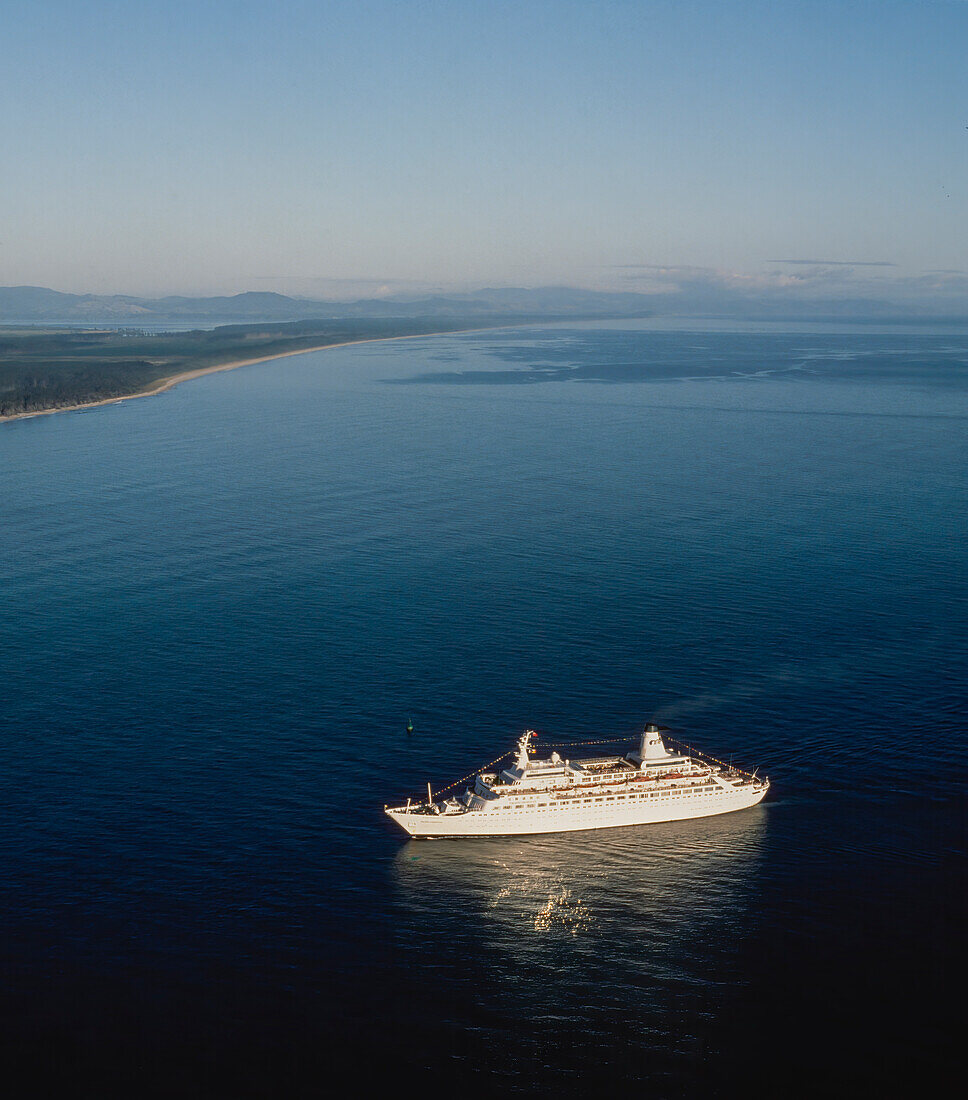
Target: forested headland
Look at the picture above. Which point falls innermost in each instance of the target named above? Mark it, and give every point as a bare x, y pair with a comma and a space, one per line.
47, 369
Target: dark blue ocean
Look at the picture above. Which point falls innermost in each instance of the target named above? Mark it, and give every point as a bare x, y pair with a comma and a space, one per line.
221, 605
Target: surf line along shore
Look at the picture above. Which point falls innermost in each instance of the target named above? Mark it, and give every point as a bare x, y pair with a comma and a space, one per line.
164, 384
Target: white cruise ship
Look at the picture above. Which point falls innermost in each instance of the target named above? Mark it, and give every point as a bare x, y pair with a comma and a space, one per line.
556, 795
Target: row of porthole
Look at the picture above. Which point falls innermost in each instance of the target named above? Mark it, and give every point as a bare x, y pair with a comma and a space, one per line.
565, 805
582, 804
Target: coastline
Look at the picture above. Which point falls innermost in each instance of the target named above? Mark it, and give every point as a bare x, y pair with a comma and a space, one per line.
164, 384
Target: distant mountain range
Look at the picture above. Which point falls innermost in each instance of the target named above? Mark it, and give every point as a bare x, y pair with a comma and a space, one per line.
696, 298
35, 303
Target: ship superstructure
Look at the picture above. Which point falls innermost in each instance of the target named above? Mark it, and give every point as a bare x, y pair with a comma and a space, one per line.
555, 795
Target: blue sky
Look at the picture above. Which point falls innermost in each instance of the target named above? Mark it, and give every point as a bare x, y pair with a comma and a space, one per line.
319, 148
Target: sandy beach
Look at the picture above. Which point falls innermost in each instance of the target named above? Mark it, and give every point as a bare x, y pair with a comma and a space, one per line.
168, 383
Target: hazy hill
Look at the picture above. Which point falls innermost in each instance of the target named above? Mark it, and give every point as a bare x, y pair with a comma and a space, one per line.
32, 303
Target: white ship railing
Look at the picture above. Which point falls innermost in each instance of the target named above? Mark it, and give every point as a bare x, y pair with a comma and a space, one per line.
730, 769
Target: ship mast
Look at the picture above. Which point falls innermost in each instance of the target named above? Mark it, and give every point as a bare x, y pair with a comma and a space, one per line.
521, 763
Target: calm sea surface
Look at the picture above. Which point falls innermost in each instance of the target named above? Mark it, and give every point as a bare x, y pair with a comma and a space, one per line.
220, 606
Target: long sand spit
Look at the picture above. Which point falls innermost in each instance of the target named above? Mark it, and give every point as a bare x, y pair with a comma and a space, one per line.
164, 384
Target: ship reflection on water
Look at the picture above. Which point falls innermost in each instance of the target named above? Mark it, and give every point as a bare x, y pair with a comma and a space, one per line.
651, 898
619, 948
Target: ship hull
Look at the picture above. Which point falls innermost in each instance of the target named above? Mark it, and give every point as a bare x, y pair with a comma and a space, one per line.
572, 818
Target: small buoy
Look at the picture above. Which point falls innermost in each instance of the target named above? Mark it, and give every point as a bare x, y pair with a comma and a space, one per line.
409, 725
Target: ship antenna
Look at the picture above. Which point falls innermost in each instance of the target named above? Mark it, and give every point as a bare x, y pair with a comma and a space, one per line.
430, 797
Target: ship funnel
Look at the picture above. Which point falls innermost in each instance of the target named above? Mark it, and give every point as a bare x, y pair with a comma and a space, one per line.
651, 747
